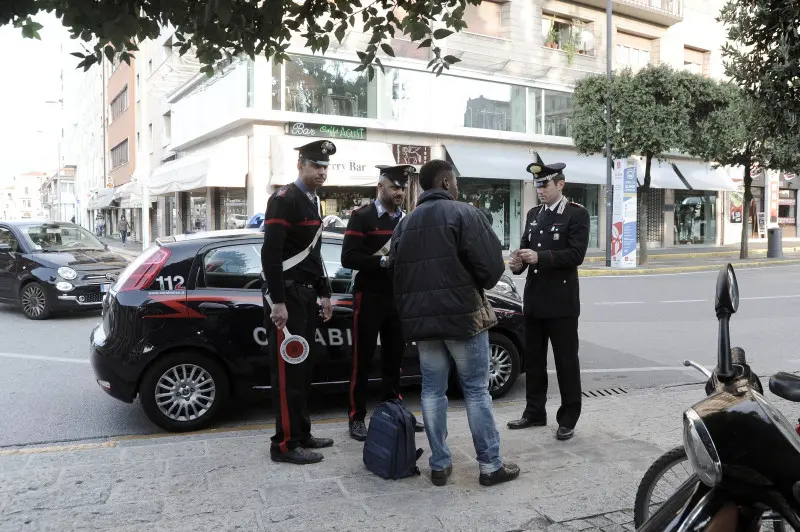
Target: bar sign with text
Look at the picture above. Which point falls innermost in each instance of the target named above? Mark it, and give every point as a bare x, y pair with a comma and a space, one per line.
330, 131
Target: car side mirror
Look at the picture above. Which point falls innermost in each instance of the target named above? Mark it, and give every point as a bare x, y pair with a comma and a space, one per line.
5, 248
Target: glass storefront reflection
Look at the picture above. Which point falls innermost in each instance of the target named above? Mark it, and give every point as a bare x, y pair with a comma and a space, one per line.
589, 197
326, 87
197, 212
500, 201
232, 208
480, 104
338, 203
406, 96
695, 217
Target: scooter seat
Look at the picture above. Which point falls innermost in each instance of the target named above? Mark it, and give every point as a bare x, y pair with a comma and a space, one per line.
786, 386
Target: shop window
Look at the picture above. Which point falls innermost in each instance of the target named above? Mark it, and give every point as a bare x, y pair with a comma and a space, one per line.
695, 217
196, 214
787, 212
233, 208
233, 267
480, 104
484, 19
326, 87
500, 202
589, 197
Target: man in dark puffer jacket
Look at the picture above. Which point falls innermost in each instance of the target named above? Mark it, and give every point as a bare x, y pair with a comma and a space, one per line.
443, 256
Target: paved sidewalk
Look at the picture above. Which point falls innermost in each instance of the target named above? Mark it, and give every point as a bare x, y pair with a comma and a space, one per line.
129, 250
224, 480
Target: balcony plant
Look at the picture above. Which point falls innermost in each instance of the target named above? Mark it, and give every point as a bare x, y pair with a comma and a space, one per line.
551, 41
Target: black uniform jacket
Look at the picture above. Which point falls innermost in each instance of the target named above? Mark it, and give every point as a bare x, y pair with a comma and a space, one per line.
560, 239
290, 223
365, 235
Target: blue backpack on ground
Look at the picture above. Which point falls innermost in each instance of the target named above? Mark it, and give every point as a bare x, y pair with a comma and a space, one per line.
390, 450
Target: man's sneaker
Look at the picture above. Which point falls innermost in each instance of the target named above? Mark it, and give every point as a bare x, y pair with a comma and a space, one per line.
506, 473
439, 478
358, 430
298, 456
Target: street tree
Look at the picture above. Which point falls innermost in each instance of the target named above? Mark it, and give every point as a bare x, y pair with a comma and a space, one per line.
650, 117
761, 56
219, 29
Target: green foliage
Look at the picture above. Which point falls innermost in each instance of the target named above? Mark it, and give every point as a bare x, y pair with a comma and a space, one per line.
763, 58
217, 30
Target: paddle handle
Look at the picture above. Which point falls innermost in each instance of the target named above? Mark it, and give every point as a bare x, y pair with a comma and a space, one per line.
286, 333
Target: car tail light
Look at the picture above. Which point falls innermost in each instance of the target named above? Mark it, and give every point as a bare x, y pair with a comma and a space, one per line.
142, 271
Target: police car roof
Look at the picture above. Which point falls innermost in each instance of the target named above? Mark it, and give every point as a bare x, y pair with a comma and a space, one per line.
228, 234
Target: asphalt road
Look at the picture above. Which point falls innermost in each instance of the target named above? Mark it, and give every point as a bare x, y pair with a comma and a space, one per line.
635, 333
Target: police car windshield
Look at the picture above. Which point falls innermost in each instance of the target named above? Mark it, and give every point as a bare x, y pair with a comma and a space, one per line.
55, 237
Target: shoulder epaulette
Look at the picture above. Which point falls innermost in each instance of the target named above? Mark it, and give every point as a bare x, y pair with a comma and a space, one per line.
282, 191
577, 204
363, 207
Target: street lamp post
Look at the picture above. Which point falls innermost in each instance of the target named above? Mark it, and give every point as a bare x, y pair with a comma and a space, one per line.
609, 159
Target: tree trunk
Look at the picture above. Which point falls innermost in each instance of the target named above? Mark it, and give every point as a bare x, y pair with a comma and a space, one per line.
746, 199
642, 195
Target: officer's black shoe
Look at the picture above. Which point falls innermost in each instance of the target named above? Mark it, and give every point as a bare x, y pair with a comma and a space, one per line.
419, 427
506, 473
298, 456
358, 430
525, 422
564, 433
439, 478
316, 443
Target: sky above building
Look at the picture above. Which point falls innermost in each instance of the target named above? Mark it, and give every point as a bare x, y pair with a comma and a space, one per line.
31, 70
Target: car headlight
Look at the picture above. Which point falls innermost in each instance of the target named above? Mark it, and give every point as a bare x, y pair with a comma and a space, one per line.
507, 289
64, 287
67, 273
700, 449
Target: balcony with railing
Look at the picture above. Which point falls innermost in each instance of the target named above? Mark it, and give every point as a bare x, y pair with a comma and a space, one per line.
663, 12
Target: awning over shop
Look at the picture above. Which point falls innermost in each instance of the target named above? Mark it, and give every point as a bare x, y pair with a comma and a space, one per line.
702, 176
353, 164
223, 165
499, 161
662, 175
101, 200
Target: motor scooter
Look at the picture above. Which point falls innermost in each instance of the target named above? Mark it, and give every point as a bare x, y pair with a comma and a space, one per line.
744, 454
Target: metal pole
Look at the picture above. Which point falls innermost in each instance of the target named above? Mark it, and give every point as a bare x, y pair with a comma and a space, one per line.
609, 163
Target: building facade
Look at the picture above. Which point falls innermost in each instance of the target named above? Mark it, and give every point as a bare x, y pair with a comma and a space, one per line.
20, 197
216, 147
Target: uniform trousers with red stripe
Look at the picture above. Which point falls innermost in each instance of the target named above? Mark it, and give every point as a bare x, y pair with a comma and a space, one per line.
375, 314
291, 383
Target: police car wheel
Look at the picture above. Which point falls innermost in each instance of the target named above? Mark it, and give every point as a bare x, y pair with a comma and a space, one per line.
184, 391
504, 367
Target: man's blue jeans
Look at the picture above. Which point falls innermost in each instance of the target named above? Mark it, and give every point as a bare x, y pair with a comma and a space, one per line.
471, 356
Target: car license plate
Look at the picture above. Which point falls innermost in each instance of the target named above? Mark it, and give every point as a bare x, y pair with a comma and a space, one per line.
104, 288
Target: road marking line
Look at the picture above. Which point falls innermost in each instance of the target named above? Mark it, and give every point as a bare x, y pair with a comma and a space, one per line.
45, 358
631, 370
769, 297
686, 301
619, 302
58, 448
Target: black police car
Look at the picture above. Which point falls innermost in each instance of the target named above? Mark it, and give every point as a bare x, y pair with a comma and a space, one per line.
48, 266
183, 328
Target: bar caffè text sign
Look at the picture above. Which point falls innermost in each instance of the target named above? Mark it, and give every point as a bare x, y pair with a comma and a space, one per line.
329, 131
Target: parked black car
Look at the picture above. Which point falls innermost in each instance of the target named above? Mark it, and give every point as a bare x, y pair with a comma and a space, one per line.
48, 266
183, 328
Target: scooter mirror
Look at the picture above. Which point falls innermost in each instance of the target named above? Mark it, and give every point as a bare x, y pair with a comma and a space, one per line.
727, 291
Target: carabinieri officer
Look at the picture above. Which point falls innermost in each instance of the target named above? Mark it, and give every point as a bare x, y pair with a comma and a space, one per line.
552, 247
366, 248
294, 274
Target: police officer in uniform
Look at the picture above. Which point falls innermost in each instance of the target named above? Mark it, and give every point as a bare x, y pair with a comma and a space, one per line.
365, 248
552, 247
294, 278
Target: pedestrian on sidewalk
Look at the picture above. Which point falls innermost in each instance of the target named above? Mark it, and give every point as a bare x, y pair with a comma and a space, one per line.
294, 278
123, 228
444, 256
553, 245
365, 248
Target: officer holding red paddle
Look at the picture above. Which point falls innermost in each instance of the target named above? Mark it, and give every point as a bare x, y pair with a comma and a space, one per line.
294, 278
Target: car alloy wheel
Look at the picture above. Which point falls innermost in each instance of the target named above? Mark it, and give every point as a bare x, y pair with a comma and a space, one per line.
185, 392
500, 367
34, 302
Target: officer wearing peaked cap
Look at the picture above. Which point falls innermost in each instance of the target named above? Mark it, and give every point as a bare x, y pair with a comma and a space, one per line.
366, 248
294, 278
553, 245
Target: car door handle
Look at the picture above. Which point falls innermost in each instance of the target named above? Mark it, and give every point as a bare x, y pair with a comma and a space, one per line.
213, 306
